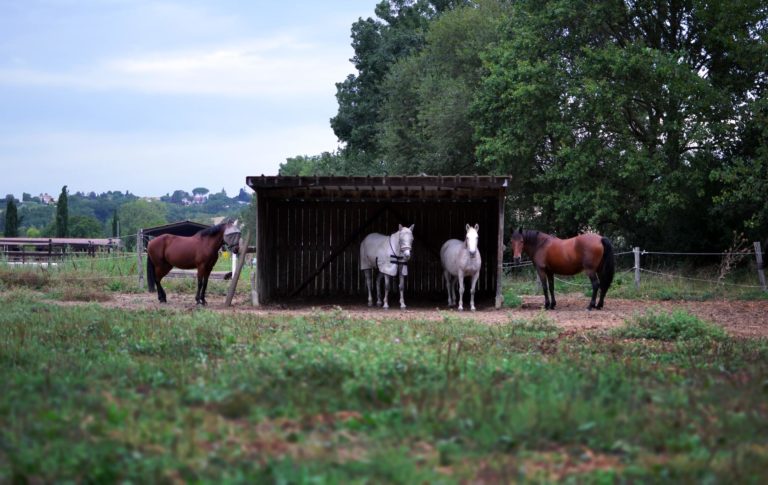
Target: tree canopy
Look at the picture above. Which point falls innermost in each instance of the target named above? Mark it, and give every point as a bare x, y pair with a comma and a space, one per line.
644, 119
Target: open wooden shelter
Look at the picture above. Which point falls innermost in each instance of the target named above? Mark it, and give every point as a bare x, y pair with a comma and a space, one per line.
309, 231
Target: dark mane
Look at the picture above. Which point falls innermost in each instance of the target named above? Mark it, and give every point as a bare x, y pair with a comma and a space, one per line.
213, 230
531, 237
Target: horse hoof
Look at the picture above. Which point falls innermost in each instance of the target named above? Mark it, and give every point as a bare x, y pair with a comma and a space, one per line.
370, 303
402, 307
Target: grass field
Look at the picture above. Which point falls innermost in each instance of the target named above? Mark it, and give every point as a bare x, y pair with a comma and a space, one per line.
94, 394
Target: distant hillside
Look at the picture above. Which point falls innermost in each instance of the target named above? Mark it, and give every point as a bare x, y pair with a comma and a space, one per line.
93, 215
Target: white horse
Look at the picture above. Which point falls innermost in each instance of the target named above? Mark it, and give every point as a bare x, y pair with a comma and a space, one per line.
389, 254
461, 259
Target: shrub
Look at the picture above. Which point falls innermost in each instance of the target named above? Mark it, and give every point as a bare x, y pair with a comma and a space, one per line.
678, 325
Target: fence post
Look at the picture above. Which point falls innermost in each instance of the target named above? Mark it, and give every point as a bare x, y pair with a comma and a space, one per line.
139, 248
760, 266
636, 250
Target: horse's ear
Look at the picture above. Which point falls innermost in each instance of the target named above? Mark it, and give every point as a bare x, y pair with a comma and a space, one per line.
477, 227
466, 228
412, 226
399, 227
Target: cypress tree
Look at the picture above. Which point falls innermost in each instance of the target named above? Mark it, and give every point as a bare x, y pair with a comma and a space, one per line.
62, 214
11, 219
115, 224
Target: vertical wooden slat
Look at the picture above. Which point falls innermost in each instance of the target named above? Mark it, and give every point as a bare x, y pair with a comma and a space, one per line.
499, 246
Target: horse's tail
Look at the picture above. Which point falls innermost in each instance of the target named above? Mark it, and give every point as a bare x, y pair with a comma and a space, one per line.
150, 274
607, 265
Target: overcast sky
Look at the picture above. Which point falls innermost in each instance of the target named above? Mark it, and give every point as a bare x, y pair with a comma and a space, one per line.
152, 96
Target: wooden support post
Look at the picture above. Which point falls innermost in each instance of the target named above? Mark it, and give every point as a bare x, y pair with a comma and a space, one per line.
243, 249
139, 265
760, 264
636, 250
500, 252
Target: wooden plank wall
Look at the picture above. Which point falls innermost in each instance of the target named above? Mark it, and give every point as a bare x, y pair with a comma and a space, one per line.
297, 236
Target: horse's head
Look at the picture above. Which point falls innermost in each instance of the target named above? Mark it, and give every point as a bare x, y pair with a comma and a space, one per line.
516, 244
405, 238
232, 235
470, 240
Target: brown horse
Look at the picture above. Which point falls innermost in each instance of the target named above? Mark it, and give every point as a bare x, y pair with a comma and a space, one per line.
199, 251
590, 253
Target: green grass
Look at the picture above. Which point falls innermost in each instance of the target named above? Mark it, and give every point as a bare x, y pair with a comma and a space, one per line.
102, 395
678, 325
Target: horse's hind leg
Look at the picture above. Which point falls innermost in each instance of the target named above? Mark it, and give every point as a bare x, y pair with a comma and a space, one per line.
595, 286
379, 284
160, 273
368, 282
448, 286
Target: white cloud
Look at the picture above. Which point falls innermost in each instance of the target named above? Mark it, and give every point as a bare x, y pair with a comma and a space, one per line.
277, 66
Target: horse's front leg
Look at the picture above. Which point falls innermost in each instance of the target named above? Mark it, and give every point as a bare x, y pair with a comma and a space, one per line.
461, 290
368, 282
402, 292
199, 291
472, 290
205, 288
543, 279
387, 278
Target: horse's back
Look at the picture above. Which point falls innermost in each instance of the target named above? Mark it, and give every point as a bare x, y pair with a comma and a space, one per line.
373, 247
178, 251
573, 255
455, 256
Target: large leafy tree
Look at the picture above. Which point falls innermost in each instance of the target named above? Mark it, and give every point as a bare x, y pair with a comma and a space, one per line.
62, 214
612, 115
85, 226
140, 214
426, 118
378, 43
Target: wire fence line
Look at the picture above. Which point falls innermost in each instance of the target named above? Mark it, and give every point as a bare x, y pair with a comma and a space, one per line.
88, 261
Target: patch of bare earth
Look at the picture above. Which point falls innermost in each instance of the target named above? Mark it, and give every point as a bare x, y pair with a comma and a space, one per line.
739, 318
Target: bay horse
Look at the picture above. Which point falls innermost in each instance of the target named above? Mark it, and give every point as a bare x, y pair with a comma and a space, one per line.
189, 252
590, 253
389, 254
461, 259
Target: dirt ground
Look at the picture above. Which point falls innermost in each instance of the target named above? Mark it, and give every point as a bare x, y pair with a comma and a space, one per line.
739, 318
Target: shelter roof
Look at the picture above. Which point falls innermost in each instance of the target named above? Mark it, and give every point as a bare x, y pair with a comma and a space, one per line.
379, 187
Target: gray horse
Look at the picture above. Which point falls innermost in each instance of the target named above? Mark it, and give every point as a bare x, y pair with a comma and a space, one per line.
389, 254
461, 259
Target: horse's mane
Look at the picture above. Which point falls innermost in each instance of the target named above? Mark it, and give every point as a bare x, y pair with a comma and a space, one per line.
531, 237
213, 230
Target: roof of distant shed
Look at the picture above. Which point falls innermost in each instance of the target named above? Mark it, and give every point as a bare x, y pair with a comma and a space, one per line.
179, 228
415, 187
